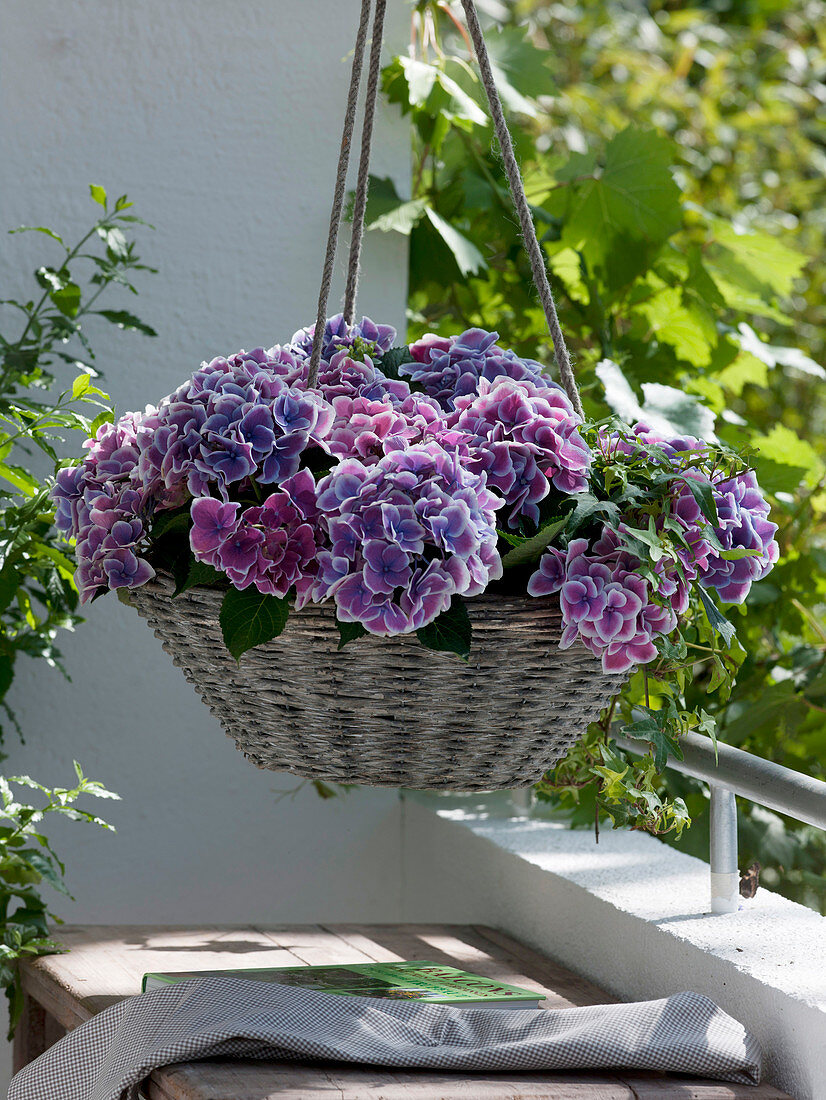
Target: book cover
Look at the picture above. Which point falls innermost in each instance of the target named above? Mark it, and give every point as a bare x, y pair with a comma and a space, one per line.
411, 981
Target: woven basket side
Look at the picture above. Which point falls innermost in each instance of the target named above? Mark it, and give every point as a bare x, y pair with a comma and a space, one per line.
388, 712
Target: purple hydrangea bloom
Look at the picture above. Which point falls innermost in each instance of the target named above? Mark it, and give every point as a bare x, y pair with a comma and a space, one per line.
344, 376
451, 367
605, 604
406, 519
124, 569
743, 524
213, 522
339, 335
368, 430
404, 535
272, 546
525, 439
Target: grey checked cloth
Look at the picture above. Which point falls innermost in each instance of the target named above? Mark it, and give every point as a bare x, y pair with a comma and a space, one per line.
109, 1056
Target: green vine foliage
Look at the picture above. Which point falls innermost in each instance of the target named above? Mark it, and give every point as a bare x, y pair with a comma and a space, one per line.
27, 861
676, 178
42, 340
48, 399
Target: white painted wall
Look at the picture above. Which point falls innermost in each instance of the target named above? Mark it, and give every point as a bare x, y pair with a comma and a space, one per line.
221, 121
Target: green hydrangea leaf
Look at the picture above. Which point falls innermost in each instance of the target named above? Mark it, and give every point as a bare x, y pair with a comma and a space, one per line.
392, 359
249, 619
195, 573
449, 633
348, 632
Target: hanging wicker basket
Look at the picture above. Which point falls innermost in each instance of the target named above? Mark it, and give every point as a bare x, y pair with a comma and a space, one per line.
386, 711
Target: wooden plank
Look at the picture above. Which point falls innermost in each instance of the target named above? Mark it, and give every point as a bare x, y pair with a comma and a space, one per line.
30, 1036
57, 1002
316, 945
681, 1088
106, 964
284, 1081
277, 1081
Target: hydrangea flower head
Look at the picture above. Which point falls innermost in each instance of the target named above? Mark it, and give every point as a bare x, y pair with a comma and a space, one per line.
450, 367
364, 335
525, 438
404, 535
605, 603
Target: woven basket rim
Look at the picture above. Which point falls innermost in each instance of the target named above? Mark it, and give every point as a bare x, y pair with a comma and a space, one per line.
481, 601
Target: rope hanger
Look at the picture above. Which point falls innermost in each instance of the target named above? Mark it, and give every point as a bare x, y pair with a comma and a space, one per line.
517, 190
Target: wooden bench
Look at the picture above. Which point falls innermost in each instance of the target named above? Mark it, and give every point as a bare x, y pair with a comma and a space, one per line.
105, 964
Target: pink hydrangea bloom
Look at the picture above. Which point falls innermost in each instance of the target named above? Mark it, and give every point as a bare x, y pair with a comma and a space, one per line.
605, 604
526, 439
404, 534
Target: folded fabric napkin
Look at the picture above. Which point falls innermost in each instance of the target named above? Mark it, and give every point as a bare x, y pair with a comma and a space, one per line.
109, 1056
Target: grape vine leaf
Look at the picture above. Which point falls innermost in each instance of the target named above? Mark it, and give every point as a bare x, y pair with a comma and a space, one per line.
634, 198
666, 409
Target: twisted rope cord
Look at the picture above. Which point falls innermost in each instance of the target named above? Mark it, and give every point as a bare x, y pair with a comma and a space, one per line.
517, 189
360, 204
338, 194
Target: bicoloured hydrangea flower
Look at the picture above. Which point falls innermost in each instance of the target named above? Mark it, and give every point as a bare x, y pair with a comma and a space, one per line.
406, 518
99, 504
526, 439
447, 367
605, 603
362, 336
272, 545
742, 521
742, 524
234, 422
344, 376
368, 430
404, 535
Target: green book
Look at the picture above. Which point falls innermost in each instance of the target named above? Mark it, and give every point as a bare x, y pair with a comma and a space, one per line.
397, 981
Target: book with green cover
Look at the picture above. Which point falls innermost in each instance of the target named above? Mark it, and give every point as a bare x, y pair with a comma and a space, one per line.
401, 981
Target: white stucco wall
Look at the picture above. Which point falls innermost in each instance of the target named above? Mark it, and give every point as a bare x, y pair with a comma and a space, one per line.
221, 121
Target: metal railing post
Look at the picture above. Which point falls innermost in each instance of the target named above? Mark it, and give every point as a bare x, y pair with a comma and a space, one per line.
725, 876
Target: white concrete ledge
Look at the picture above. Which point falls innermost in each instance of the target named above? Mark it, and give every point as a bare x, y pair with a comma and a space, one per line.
630, 914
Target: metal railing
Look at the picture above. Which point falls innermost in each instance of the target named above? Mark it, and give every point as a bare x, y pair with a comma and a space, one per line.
731, 772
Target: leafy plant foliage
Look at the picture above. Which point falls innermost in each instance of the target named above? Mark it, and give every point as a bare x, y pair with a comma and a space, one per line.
47, 394
27, 862
685, 252
43, 338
